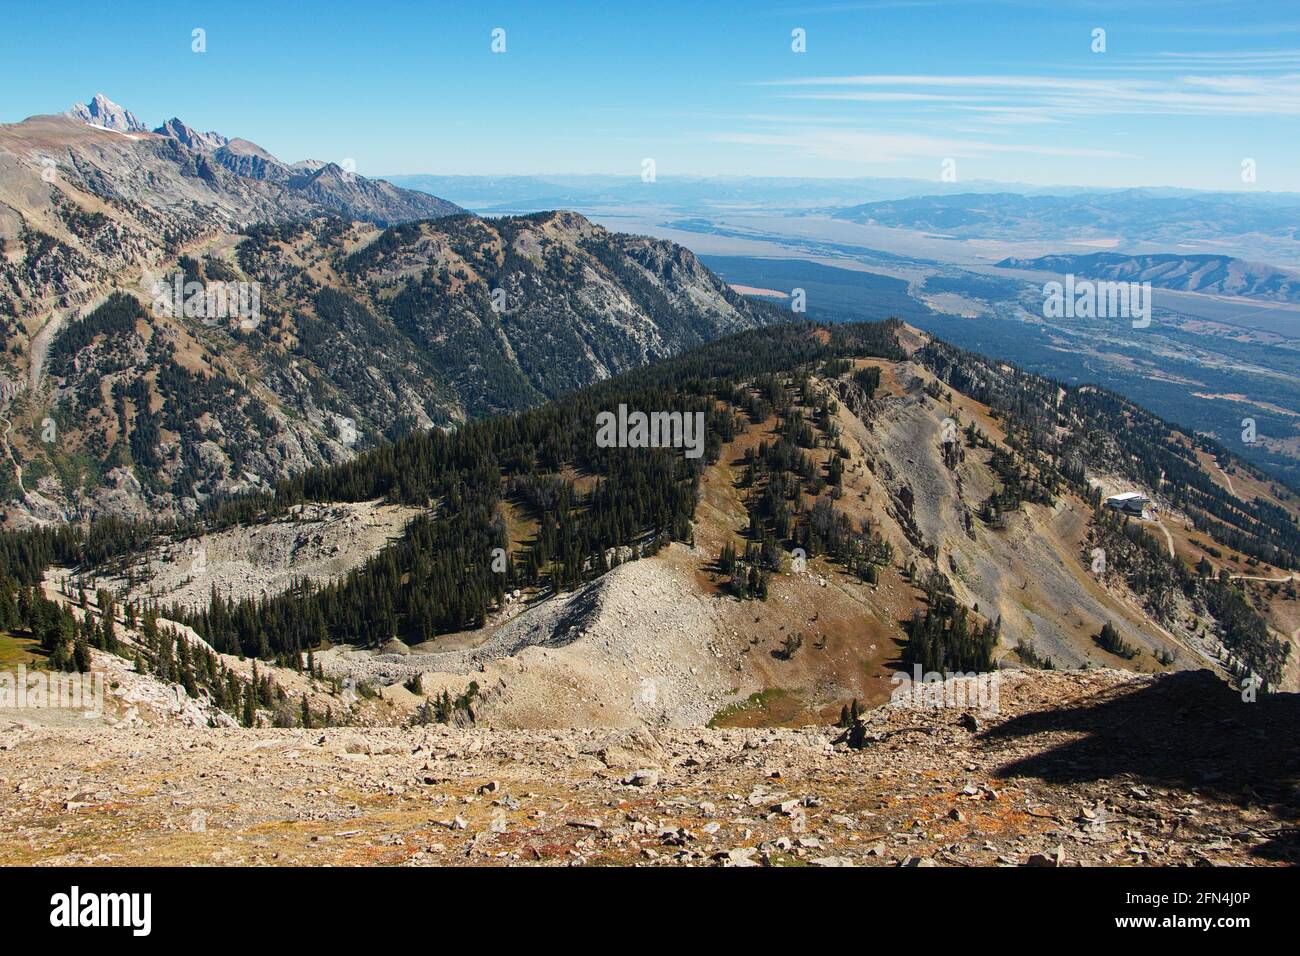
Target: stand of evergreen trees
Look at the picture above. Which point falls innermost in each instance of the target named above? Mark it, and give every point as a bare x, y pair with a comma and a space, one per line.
944, 639
439, 577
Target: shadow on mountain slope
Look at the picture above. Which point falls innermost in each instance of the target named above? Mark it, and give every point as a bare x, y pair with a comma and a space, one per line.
1186, 731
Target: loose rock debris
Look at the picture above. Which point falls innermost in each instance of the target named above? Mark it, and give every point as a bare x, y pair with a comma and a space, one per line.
1083, 768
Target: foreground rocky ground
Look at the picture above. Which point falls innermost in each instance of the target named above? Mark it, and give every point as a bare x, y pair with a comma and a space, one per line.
1098, 767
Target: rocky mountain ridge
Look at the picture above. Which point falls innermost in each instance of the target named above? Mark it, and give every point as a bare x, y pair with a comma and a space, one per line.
886, 519
176, 129
362, 333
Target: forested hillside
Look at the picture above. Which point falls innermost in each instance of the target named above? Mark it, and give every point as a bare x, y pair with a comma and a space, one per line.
362, 335
592, 507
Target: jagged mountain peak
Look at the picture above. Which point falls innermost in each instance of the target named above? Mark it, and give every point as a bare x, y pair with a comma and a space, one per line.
101, 111
187, 135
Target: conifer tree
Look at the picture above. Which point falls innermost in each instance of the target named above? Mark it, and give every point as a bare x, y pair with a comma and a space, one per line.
81, 656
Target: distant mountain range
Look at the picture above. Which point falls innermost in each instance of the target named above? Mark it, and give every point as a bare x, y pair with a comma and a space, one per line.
1130, 214
534, 193
1214, 275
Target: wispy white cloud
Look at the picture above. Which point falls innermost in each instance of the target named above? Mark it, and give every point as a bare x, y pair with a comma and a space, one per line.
869, 146
1202, 93
1261, 56
884, 96
939, 79
1045, 111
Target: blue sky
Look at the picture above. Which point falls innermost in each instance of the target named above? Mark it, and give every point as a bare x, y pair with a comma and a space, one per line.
1183, 93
